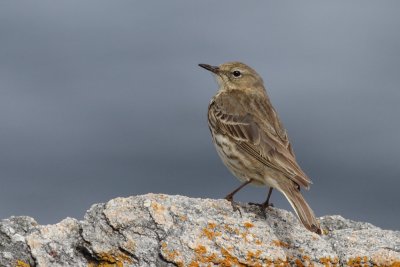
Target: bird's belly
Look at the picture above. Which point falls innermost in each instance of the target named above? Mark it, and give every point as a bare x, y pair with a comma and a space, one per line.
242, 165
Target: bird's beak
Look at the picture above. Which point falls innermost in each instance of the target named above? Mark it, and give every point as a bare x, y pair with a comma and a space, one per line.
213, 69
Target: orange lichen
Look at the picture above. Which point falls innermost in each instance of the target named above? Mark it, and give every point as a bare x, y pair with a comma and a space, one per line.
226, 259
298, 263
306, 260
258, 242
21, 263
202, 257
208, 259
244, 236
200, 250
248, 225
356, 262
231, 230
279, 243
115, 257
281, 262
366, 261
171, 255
329, 262
211, 225
210, 232
157, 207
194, 264
229, 260
104, 264
183, 217
228, 228
253, 258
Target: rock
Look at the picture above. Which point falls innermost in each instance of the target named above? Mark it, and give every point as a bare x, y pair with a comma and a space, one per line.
13, 247
163, 230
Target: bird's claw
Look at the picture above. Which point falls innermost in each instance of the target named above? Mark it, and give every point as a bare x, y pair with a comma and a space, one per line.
235, 206
262, 206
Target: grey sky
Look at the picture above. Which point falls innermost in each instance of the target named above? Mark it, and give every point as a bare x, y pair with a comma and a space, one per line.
100, 99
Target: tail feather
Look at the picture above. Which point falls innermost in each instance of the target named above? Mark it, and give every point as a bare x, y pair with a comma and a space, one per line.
300, 206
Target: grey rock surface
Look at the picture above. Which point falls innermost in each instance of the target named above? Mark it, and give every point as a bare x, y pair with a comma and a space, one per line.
163, 230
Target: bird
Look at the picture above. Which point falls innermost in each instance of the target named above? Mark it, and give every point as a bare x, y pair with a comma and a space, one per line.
251, 140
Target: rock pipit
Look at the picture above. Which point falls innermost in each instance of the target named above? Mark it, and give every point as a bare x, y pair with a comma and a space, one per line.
251, 140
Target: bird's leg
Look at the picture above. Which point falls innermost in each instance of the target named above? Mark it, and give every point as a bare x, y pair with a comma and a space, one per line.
266, 203
229, 196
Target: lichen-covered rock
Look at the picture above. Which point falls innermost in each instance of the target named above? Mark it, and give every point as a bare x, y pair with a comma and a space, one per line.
163, 230
360, 244
14, 250
59, 243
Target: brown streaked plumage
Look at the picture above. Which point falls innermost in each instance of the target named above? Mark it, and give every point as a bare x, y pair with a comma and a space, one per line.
251, 140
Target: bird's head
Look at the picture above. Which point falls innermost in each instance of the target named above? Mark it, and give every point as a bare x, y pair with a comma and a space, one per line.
235, 75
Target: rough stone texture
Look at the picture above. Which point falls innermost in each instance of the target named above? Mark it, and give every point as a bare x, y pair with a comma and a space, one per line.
13, 246
163, 230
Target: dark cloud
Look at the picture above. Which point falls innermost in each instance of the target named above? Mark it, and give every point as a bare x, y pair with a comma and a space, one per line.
101, 99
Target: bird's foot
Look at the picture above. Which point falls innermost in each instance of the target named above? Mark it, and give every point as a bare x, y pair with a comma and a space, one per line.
235, 206
262, 206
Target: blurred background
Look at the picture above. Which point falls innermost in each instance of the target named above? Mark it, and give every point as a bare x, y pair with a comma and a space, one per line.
102, 99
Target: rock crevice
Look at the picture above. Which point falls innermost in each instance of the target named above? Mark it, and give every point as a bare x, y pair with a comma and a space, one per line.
164, 230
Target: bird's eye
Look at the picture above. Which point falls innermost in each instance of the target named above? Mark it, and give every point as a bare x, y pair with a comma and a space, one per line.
236, 73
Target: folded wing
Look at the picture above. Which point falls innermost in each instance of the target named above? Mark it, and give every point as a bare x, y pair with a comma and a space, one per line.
265, 140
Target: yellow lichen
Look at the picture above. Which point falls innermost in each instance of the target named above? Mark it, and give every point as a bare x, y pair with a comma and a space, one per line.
111, 259
21, 263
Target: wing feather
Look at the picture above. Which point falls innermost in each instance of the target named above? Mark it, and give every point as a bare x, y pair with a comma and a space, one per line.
265, 140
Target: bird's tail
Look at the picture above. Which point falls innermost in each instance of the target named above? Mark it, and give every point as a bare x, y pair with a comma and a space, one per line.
300, 206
